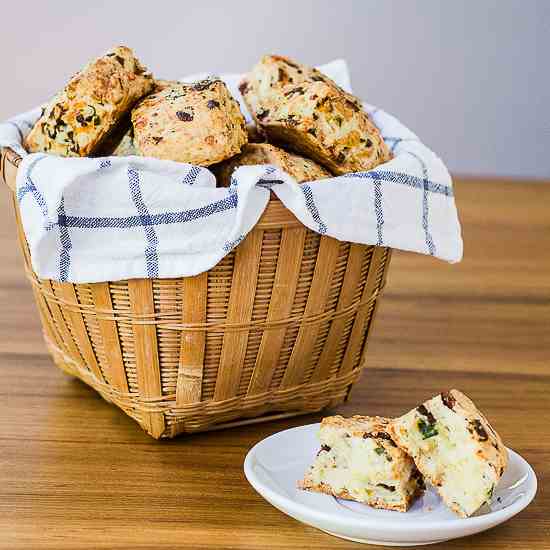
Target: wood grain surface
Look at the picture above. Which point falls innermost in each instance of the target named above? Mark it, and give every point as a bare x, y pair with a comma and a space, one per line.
76, 473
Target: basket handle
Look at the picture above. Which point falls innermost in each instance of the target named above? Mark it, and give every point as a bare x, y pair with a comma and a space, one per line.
9, 162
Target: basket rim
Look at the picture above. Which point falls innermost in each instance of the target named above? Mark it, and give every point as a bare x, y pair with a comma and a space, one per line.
9, 155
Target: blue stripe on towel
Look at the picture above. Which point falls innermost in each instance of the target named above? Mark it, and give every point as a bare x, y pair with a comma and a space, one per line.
191, 176
151, 255
66, 245
378, 211
29, 187
152, 219
312, 208
405, 179
425, 206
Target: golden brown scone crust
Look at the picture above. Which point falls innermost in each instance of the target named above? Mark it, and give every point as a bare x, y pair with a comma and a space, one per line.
276, 71
80, 117
306, 485
304, 110
161, 84
300, 168
358, 425
198, 123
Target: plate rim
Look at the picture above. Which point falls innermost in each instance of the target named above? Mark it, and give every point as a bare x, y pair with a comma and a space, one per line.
487, 520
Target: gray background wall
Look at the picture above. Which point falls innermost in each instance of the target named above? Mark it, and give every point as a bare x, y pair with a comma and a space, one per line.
471, 78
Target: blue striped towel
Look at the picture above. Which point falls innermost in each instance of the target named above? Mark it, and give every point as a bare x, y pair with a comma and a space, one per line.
112, 218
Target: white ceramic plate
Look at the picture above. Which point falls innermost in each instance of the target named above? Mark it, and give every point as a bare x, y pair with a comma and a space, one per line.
275, 464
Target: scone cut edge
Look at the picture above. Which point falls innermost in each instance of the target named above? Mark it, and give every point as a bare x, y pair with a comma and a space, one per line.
455, 448
359, 461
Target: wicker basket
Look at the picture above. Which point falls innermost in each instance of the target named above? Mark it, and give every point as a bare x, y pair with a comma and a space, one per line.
277, 328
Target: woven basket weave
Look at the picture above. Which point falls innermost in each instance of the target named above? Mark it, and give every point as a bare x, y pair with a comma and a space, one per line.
278, 328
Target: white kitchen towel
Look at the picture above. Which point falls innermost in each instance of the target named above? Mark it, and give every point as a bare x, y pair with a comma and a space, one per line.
112, 218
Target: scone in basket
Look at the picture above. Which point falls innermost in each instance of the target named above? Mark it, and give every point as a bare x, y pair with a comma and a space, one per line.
278, 328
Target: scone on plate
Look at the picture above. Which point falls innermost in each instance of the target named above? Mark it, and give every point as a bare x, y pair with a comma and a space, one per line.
80, 117
455, 448
304, 110
359, 461
300, 168
198, 123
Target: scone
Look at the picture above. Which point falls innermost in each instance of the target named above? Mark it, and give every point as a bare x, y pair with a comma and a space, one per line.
359, 461
198, 123
303, 110
455, 448
300, 168
80, 117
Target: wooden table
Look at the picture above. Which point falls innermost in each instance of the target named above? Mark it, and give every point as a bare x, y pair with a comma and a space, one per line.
76, 473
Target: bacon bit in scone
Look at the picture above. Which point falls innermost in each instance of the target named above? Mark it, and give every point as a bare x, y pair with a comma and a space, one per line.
312, 131
291, 120
479, 429
353, 105
317, 78
379, 435
298, 90
447, 398
315, 116
415, 474
262, 114
425, 412
387, 437
156, 139
321, 102
288, 62
341, 157
212, 104
183, 116
390, 488
205, 84
324, 448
